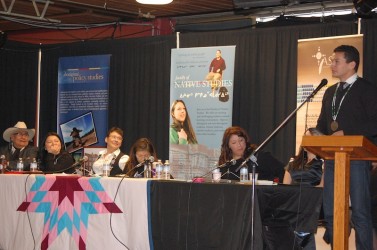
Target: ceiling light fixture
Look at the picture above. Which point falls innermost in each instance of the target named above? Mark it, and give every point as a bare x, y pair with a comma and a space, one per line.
155, 2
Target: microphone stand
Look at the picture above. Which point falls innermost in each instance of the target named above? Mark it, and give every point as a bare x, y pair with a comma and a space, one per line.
195, 179
141, 175
137, 166
75, 165
85, 172
147, 167
227, 173
132, 169
253, 159
226, 164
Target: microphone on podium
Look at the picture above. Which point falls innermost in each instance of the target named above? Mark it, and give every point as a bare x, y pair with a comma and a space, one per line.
321, 85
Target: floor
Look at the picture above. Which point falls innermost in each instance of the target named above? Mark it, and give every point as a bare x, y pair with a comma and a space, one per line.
321, 244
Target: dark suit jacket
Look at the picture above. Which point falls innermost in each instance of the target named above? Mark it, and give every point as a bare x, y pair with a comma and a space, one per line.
27, 155
358, 112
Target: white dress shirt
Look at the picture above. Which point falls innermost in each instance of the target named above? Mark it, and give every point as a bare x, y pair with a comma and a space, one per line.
105, 158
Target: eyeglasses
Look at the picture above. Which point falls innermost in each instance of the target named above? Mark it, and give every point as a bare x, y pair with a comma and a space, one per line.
26, 134
114, 137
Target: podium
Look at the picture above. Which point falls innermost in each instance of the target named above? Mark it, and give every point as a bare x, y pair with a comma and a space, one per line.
342, 149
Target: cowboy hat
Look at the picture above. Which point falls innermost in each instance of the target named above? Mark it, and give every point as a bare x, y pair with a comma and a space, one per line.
20, 126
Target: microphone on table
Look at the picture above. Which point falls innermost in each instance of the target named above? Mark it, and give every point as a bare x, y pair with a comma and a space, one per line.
80, 162
147, 160
79, 165
226, 164
251, 157
74, 165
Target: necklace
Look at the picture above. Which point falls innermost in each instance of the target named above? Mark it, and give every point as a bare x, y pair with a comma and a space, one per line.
334, 113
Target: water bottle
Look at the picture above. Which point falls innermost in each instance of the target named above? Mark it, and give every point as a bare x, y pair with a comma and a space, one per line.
3, 164
106, 169
244, 174
34, 165
158, 169
20, 165
166, 170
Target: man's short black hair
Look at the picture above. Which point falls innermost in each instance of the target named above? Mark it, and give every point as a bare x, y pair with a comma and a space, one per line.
350, 54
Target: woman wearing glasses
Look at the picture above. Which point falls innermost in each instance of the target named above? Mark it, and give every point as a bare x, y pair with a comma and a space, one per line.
112, 155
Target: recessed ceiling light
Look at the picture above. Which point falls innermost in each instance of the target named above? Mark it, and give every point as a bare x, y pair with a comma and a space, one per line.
154, 1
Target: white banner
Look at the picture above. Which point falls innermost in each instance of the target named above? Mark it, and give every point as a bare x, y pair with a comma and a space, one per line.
201, 84
69, 212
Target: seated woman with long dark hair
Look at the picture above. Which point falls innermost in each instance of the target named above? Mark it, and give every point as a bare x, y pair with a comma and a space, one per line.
181, 130
236, 146
141, 150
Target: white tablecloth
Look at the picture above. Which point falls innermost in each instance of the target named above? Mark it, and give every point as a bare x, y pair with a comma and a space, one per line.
127, 229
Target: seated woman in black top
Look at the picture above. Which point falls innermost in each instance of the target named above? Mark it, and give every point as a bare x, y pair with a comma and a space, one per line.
236, 145
53, 157
305, 168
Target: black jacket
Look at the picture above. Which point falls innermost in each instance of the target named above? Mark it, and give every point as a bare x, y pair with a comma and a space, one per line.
27, 155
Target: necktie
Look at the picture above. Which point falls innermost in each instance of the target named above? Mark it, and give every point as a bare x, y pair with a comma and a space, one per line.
343, 85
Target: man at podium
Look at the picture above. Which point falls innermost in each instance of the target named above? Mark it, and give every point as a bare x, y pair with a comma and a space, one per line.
350, 108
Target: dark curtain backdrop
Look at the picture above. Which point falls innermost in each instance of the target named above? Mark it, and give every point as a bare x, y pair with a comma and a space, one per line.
18, 85
265, 80
369, 29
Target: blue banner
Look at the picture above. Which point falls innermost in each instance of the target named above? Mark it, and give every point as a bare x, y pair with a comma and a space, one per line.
83, 100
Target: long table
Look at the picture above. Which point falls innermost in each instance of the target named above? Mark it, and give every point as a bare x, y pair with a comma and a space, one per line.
73, 212
218, 216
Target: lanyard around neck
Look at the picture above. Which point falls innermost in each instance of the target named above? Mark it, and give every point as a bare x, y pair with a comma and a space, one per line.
334, 113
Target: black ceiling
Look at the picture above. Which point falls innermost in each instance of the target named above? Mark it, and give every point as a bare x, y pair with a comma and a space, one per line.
16, 15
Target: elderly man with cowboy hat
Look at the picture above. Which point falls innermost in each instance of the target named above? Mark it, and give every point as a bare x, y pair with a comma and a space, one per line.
19, 137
